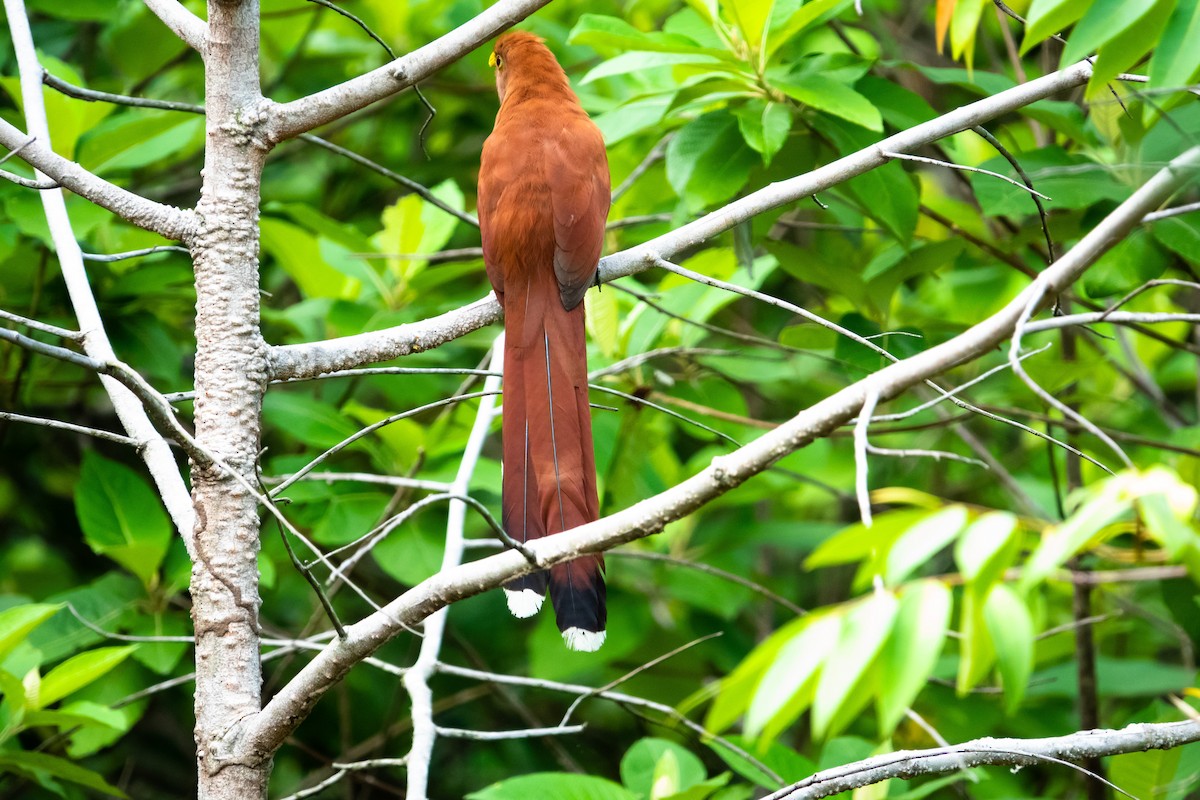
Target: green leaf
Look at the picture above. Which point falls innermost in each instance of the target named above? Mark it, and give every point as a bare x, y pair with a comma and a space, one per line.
604, 320
139, 138
764, 126
833, 98
639, 61
657, 768
912, 651
1011, 629
707, 160
976, 651
923, 541
78, 671
297, 252
121, 516
1048, 17
786, 688
866, 629
76, 714
987, 548
559, 785
17, 622
612, 34
35, 765
1145, 774
785, 27
1103, 22
1126, 49
1176, 61
779, 758
857, 542
1068, 538
311, 421
737, 689
751, 17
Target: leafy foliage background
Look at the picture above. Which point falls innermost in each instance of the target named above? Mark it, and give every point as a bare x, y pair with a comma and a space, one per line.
749, 93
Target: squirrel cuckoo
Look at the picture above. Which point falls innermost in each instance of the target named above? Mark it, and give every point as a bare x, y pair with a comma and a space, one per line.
543, 201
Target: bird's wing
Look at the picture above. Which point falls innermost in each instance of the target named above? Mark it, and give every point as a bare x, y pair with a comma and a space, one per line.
577, 173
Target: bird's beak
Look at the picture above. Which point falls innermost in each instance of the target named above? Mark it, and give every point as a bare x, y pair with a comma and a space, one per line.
492, 59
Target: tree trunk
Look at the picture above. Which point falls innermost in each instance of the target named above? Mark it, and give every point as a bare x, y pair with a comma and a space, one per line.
231, 375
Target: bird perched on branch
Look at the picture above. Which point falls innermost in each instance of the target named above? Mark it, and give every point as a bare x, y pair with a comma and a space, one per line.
543, 201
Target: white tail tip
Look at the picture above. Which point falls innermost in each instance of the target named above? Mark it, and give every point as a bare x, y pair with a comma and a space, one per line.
583, 641
523, 602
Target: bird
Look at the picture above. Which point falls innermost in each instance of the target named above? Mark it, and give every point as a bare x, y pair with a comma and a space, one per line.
544, 195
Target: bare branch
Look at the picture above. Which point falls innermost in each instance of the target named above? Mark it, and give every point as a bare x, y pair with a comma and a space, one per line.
964, 168
353, 351
1015, 752
288, 120
262, 734
155, 451
107, 436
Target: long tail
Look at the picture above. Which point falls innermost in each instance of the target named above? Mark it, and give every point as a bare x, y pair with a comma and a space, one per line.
549, 464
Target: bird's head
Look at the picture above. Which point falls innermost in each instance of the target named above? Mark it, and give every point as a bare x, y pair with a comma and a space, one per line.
522, 54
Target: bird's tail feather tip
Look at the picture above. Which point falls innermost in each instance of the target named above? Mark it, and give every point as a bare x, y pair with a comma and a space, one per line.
583, 641
523, 603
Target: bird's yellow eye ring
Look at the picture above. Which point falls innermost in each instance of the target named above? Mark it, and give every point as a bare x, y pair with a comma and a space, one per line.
495, 60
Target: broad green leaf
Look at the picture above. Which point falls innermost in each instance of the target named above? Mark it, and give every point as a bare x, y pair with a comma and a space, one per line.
633, 117
1179, 234
138, 138
787, 686
764, 126
656, 768
1011, 628
833, 98
1126, 49
1048, 17
1068, 538
737, 688
785, 27
1176, 60
711, 789
1103, 21
858, 542
14, 706
707, 160
639, 61
18, 621
611, 34
559, 785
297, 251
35, 765
604, 320
751, 17
311, 421
912, 651
779, 758
1145, 774
863, 635
78, 671
76, 714
121, 516
976, 650
923, 541
986, 548
1164, 525
963, 28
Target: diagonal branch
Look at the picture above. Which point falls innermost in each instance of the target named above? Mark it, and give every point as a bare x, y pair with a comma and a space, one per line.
288, 120
259, 736
168, 221
352, 351
185, 24
1015, 752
